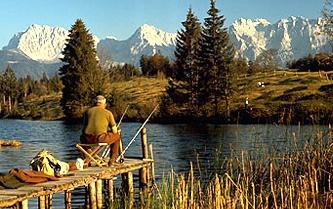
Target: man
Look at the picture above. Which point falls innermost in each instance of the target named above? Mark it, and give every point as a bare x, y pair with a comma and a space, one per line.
96, 123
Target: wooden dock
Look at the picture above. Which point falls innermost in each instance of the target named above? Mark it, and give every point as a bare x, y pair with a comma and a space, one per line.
91, 178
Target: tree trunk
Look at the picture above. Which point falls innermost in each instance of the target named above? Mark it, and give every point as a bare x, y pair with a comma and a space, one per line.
10, 103
228, 108
4, 102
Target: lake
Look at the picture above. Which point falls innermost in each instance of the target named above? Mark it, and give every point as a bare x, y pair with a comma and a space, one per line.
175, 145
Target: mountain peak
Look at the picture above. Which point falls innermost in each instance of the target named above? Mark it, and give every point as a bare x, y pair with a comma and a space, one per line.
153, 36
40, 42
148, 28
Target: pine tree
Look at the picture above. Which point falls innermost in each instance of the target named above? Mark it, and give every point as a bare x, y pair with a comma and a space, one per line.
55, 84
216, 56
81, 76
25, 86
10, 87
187, 69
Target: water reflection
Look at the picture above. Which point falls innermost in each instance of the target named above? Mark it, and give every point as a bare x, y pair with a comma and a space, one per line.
175, 145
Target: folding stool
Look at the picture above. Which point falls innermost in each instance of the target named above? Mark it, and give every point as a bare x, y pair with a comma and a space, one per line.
91, 153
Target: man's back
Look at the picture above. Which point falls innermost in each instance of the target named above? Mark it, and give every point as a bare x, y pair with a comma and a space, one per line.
97, 120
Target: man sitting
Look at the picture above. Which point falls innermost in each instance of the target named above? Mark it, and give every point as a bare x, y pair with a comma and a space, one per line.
96, 122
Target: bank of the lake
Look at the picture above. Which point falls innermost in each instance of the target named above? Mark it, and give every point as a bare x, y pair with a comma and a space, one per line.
284, 97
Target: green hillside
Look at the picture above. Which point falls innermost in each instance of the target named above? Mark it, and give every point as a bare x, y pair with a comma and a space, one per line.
286, 97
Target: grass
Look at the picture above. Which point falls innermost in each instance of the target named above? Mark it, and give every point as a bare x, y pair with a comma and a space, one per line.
279, 83
302, 93
141, 90
306, 93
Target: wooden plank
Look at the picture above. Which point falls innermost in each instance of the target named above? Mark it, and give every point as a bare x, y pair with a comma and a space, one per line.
6, 197
20, 193
31, 188
80, 178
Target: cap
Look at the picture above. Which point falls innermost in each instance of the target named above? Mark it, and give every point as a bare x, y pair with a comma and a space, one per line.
100, 99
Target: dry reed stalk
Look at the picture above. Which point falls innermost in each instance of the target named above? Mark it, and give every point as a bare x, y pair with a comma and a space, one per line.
186, 192
218, 196
172, 188
272, 184
200, 197
291, 196
253, 195
291, 181
191, 179
209, 199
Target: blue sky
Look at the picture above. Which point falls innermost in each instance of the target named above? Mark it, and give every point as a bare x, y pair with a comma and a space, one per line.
120, 18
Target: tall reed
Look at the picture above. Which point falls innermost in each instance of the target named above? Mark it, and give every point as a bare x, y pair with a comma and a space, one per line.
301, 178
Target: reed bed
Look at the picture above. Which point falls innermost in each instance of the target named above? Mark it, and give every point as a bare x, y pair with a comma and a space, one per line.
301, 178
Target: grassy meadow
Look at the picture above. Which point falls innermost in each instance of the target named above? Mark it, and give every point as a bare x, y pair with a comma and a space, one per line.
287, 97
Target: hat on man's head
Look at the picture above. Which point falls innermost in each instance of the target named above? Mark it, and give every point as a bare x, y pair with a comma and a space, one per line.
100, 99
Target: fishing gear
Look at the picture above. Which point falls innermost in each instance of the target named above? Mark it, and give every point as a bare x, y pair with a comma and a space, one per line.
107, 150
121, 156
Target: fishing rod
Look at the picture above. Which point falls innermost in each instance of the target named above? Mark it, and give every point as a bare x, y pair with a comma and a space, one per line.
107, 150
121, 118
136, 134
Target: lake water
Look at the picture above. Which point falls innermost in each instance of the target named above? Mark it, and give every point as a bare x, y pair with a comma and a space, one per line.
175, 145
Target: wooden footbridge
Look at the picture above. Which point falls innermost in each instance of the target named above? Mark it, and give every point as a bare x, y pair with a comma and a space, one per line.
91, 178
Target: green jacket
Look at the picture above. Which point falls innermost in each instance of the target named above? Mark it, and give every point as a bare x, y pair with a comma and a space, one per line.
98, 120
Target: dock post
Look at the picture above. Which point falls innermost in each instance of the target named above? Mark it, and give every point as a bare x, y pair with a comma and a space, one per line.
92, 195
48, 201
41, 202
68, 199
152, 164
23, 204
99, 193
86, 197
110, 191
144, 143
143, 183
129, 187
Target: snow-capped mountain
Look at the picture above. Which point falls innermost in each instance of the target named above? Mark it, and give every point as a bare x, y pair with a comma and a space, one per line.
38, 49
40, 43
146, 40
292, 38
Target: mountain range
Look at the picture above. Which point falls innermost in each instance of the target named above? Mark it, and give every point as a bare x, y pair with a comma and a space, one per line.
38, 49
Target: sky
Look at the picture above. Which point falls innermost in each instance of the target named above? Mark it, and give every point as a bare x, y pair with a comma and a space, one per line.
120, 18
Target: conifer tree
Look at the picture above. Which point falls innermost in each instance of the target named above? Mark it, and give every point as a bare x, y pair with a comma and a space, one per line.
25, 86
216, 56
10, 87
187, 69
81, 76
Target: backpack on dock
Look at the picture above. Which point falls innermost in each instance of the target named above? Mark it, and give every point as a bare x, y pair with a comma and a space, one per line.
45, 162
